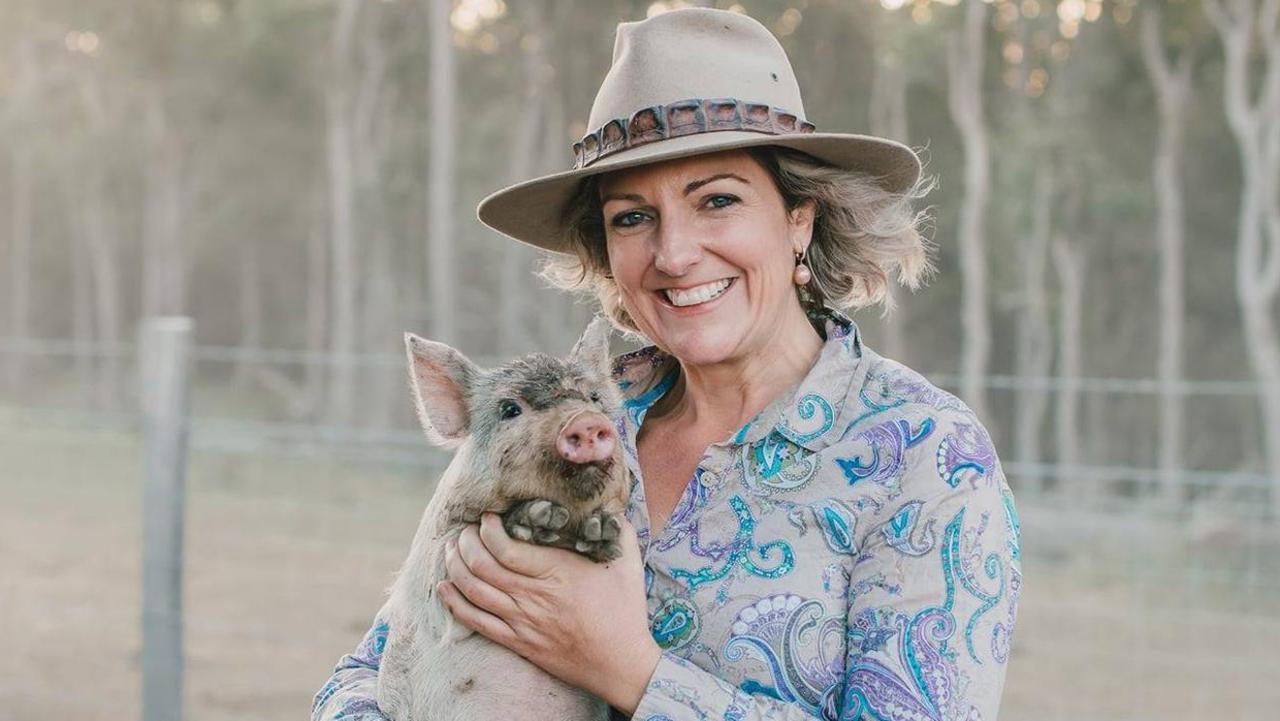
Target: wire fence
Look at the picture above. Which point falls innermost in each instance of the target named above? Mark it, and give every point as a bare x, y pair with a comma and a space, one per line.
1135, 605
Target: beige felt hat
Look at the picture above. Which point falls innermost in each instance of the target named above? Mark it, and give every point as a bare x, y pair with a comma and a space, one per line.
682, 83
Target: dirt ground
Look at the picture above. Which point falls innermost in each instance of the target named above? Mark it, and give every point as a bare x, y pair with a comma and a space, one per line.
287, 560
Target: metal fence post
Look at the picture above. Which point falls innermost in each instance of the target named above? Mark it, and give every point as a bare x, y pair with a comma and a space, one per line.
164, 368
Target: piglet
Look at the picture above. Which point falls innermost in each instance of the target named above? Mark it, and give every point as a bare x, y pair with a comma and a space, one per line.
535, 443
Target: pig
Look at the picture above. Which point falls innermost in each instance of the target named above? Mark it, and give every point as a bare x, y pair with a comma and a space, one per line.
534, 442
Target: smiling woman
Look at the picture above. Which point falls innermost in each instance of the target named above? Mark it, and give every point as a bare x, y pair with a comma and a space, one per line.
813, 529
862, 234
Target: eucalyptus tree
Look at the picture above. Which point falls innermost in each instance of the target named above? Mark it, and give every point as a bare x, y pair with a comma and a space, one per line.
1171, 80
1250, 33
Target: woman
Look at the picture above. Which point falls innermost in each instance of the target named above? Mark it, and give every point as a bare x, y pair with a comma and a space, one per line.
814, 530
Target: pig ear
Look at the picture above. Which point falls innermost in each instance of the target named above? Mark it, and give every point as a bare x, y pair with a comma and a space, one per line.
441, 380
593, 347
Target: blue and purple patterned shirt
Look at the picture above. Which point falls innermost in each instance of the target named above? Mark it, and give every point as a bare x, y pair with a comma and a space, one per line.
851, 553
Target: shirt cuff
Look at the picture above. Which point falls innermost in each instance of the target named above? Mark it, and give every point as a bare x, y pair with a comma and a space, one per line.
679, 690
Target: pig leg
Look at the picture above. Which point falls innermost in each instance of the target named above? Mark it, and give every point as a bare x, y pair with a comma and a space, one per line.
537, 521
598, 537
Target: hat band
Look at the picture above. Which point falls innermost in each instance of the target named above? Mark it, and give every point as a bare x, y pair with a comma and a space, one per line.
684, 117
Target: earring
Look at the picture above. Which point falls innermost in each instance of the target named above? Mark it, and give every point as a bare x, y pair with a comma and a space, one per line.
802, 274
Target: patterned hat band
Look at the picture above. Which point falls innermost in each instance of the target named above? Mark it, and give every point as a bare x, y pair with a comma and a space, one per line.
684, 117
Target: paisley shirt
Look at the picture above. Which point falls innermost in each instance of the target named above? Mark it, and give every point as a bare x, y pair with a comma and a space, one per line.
850, 553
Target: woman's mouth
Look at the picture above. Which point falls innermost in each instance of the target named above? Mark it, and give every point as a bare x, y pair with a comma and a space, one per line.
698, 294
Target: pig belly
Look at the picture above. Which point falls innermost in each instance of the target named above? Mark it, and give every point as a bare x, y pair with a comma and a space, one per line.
476, 680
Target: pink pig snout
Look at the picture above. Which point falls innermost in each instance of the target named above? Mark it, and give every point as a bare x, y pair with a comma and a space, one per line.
587, 438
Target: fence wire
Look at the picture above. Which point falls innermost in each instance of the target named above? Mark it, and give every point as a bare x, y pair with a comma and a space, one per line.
1136, 605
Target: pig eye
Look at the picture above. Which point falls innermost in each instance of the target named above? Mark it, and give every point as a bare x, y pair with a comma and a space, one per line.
595, 397
508, 409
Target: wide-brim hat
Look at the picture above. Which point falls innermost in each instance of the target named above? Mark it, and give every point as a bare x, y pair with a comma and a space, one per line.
682, 83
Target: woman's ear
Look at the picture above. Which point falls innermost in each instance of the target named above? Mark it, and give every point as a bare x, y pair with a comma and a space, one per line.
801, 218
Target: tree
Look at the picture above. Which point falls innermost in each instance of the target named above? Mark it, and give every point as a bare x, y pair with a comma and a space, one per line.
888, 118
165, 255
442, 109
1255, 123
342, 252
20, 209
966, 48
96, 225
1172, 82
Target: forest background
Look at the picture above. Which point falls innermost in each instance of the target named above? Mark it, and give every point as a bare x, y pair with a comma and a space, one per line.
300, 177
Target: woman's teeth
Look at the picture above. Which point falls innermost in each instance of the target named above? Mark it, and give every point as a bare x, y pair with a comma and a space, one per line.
697, 294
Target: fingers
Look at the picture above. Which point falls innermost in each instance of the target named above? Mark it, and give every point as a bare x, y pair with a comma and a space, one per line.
627, 538
514, 557
471, 573
477, 619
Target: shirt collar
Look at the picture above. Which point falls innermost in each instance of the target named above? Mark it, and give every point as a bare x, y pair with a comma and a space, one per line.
805, 414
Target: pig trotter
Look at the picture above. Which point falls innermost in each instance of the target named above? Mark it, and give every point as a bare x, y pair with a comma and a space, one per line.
536, 521
598, 537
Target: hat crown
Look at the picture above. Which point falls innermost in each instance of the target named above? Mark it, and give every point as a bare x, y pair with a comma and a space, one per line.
695, 53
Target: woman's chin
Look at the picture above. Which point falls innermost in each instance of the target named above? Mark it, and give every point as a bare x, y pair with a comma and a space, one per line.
703, 345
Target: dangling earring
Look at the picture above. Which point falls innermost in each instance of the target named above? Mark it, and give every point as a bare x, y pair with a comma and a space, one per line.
802, 274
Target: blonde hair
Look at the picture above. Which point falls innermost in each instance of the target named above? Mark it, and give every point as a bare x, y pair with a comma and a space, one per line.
862, 233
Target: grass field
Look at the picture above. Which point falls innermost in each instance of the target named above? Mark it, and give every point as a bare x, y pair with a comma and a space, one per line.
287, 559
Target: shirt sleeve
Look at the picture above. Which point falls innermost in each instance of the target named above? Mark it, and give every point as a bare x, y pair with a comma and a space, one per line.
934, 593
682, 691
351, 693
931, 601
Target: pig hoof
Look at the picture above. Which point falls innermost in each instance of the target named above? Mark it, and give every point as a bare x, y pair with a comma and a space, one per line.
612, 529
601, 526
538, 521
608, 551
600, 551
546, 514
598, 537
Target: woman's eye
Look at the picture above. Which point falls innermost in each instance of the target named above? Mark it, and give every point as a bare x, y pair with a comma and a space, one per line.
508, 409
628, 219
721, 201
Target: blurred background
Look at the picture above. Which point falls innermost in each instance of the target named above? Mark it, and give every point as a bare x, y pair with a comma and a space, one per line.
299, 177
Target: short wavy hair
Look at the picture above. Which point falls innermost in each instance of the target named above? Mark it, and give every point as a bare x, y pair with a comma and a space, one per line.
862, 234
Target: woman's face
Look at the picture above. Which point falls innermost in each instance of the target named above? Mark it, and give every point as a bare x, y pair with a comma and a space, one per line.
702, 251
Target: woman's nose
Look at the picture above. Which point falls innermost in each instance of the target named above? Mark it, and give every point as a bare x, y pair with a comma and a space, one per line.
678, 247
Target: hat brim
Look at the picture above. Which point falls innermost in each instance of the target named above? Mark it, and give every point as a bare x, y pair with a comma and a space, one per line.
532, 211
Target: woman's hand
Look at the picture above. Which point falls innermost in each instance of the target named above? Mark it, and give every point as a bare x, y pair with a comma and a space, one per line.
583, 622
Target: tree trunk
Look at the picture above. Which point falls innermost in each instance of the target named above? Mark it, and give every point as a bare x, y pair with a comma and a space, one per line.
342, 336
965, 69
1256, 127
1034, 342
81, 292
526, 161
1172, 86
441, 109
19, 261
889, 119
317, 310
164, 261
250, 302
384, 389
101, 246
1068, 261
557, 334
20, 218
